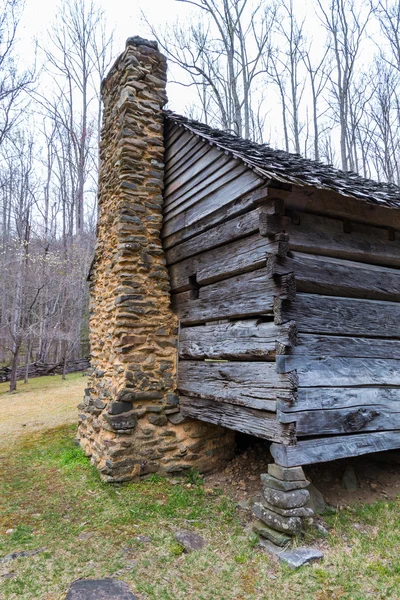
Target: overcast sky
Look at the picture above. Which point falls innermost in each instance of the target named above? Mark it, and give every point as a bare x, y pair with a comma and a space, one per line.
125, 17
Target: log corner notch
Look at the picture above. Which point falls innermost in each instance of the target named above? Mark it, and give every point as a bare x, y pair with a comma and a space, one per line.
278, 263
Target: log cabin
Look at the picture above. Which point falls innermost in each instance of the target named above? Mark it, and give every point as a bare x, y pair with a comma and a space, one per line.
235, 288
285, 278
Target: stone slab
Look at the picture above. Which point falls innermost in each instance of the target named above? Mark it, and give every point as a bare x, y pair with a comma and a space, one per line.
300, 556
286, 473
288, 525
99, 589
276, 537
293, 499
284, 486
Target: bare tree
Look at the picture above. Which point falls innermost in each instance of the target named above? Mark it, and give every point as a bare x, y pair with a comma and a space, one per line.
222, 53
345, 22
13, 80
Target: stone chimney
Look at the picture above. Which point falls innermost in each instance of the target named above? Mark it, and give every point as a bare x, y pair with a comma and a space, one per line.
129, 421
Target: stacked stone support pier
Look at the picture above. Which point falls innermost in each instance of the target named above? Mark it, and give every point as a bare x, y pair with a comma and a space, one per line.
283, 507
130, 422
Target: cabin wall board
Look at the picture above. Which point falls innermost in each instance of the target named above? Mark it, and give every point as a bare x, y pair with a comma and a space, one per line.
289, 311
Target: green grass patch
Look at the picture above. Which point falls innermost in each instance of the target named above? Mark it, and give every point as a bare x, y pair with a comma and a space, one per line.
51, 498
40, 383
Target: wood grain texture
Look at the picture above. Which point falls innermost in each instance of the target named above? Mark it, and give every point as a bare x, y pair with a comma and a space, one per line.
332, 448
341, 371
239, 418
308, 399
332, 204
336, 277
208, 173
210, 201
345, 420
237, 257
240, 383
250, 339
231, 230
246, 295
308, 344
342, 316
235, 206
315, 234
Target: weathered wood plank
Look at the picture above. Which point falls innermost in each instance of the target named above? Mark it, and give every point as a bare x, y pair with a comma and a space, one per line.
211, 202
308, 399
354, 347
206, 187
237, 257
248, 384
337, 277
332, 448
346, 420
239, 418
241, 340
203, 174
176, 167
332, 204
338, 371
325, 236
331, 315
237, 206
232, 230
246, 295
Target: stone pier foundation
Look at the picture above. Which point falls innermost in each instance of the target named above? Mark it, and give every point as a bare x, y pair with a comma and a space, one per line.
282, 509
129, 422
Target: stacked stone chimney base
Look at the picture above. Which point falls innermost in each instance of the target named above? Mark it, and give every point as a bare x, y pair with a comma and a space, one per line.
129, 421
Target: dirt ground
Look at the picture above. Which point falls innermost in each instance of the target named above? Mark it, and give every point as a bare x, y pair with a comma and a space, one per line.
378, 476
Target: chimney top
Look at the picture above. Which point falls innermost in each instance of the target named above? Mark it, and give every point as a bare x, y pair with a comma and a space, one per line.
139, 41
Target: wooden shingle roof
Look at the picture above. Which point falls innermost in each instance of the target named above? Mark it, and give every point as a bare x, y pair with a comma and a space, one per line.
293, 169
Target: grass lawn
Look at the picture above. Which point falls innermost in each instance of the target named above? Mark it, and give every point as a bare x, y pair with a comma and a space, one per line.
51, 498
42, 403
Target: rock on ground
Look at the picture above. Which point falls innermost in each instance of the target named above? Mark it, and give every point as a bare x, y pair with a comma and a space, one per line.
300, 556
99, 589
189, 540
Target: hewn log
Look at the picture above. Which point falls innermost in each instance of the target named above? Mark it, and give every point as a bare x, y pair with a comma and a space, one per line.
242, 340
246, 295
345, 420
243, 183
239, 418
237, 206
332, 448
308, 399
314, 234
337, 277
308, 344
339, 371
254, 385
231, 230
333, 204
225, 261
341, 316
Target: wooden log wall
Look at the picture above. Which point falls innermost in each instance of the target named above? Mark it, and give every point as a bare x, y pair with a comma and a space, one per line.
289, 320
222, 290
346, 356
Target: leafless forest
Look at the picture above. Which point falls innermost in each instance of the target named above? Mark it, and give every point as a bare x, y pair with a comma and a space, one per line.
323, 83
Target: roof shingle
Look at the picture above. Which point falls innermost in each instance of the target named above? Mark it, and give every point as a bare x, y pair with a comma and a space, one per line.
293, 169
